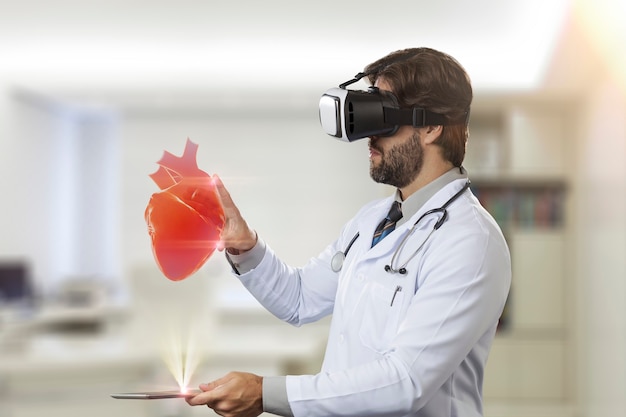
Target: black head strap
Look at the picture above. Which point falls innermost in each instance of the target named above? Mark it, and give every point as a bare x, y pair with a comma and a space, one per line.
416, 117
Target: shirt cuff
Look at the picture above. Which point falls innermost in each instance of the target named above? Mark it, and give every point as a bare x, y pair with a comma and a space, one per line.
275, 399
247, 261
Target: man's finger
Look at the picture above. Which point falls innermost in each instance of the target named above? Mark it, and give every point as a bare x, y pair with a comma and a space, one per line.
223, 193
206, 397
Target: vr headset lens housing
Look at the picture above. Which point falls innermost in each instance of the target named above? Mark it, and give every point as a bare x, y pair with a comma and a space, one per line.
351, 114
330, 111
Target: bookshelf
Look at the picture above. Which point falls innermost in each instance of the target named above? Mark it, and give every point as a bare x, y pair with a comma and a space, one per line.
517, 158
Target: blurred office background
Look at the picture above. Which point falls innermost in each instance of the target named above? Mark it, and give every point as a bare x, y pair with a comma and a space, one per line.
92, 93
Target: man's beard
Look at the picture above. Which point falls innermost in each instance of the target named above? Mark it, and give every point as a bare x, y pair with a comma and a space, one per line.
400, 165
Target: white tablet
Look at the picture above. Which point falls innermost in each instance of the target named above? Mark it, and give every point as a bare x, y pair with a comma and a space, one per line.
155, 395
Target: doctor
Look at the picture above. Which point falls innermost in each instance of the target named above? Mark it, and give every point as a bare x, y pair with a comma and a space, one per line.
414, 314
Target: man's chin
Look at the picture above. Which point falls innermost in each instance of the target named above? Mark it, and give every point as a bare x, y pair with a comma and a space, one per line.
377, 176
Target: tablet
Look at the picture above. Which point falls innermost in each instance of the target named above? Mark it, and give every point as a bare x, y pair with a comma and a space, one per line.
155, 395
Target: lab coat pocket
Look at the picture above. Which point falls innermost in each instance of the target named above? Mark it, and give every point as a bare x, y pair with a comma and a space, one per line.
381, 311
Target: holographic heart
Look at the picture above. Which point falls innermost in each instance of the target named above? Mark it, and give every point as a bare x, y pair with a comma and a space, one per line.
185, 218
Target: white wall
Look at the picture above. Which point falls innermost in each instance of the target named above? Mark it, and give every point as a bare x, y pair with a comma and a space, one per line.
601, 267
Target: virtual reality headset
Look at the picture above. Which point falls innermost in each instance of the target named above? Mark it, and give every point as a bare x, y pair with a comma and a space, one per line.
350, 115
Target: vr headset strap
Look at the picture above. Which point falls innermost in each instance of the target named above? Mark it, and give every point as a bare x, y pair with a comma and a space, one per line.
416, 117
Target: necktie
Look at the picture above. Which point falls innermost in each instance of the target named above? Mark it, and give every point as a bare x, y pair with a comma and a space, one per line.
388, 224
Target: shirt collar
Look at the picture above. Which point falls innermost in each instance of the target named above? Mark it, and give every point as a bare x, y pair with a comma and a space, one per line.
411, 205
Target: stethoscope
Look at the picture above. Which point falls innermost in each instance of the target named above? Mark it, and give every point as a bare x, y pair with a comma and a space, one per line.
336, 262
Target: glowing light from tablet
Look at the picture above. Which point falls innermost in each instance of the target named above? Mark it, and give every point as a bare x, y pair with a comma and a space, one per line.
181, 355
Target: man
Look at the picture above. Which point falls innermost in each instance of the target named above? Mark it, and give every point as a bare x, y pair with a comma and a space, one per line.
414, 315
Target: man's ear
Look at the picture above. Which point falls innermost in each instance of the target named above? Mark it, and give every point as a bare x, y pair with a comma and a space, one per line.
431, 133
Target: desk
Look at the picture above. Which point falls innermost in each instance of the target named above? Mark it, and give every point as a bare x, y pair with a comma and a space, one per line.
46, 372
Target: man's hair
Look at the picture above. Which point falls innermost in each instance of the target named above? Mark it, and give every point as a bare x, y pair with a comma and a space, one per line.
424, 77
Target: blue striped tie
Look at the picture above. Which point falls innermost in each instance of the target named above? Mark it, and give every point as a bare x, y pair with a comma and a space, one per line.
388, 224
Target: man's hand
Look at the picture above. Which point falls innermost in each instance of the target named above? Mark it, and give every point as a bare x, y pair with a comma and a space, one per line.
238, 394
236, 236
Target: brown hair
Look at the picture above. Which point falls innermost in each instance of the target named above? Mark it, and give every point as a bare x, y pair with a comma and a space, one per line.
424, 77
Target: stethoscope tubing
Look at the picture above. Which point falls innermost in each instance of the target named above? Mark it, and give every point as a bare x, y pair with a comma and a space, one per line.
401, 269
339, 257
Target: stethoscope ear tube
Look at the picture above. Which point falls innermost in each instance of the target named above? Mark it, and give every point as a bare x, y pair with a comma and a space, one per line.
401, 271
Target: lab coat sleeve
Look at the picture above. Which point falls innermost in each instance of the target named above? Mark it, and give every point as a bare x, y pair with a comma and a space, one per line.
300, 295
295, 295
464, 285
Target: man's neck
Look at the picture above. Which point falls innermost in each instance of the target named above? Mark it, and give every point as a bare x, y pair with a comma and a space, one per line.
428, 174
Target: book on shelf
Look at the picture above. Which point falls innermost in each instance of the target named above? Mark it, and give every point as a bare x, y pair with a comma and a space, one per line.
523, 206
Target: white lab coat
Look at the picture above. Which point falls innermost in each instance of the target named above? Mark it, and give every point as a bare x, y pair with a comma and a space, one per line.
424, 355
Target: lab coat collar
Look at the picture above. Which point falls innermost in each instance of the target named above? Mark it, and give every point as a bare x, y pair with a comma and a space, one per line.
440, 191
418, 199
437, 201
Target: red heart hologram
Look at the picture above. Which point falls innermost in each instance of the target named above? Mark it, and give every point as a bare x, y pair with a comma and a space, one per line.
185, 218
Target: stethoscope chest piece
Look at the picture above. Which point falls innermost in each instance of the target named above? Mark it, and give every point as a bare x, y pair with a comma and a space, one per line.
336, 263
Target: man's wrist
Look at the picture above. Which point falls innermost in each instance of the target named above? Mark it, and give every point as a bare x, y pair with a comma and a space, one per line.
237, 251
247, 261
